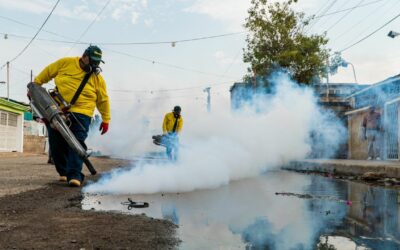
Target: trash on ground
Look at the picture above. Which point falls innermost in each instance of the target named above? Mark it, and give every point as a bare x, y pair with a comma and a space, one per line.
135, 204
316, 197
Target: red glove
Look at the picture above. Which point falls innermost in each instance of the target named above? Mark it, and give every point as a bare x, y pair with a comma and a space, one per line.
103, 128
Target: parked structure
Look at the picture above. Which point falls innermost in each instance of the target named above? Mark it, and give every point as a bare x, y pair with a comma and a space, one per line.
333, 96
385, 96
11, 125
242, 92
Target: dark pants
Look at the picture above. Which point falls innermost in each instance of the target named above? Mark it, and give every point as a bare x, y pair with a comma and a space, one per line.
171, 142
68, 163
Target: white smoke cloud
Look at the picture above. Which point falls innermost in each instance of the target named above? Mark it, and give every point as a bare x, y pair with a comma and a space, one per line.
224, 146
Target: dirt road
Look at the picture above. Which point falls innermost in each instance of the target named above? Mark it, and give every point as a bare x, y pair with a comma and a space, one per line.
38, 212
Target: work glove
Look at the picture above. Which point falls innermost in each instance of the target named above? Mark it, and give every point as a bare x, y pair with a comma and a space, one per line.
103, 128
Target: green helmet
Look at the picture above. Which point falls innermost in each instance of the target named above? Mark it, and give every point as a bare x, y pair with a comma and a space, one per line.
94, 53
177, 109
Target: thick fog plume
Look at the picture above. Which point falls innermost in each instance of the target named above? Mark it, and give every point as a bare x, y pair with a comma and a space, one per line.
223, 145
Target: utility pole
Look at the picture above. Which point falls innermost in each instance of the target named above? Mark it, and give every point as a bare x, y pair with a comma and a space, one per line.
207, 90
327, 79
31, 75
354, 72
8, 81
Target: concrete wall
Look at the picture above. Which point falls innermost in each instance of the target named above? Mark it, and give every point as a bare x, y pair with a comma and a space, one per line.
34, 128
20, 135
11, 135
35, 144
358, 147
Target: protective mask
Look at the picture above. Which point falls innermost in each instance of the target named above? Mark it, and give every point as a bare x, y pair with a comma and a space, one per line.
95, 68
87, 68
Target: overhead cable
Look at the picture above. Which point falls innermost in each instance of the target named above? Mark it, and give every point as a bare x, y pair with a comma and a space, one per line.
351, 8
33, 38
374, 11
167, 90
129, 43
31, 26
345, 15
325, 10
372, 33
89, 26
146, 59
167, 64
172, 41
378, 17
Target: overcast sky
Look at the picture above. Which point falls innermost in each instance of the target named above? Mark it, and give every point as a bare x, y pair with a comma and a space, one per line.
132, 68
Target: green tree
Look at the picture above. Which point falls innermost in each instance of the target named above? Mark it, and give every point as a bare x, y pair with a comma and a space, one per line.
277, 39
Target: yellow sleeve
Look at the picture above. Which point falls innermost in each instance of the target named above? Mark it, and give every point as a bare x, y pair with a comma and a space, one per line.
164, 125
103, 102
49, 72
180, 125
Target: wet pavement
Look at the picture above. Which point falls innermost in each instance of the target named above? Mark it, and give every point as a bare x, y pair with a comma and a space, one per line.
319, 213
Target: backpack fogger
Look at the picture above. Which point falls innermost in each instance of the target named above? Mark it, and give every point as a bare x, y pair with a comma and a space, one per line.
45, 106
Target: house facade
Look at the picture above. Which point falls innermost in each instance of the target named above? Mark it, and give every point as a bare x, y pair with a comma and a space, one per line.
11, 126
385, 97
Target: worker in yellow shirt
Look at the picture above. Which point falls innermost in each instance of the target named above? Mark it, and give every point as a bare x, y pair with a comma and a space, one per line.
68, 74
172, 126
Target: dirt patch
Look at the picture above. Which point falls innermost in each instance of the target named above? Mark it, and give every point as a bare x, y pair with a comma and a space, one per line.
370, 178
49, 215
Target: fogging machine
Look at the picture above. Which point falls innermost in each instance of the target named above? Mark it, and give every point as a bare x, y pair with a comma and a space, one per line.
45, 106
160, 140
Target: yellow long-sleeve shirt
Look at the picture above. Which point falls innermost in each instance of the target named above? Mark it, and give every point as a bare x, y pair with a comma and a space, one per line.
169, 121
68, 75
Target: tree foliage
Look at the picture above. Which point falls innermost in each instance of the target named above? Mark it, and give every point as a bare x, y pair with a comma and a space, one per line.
277, 39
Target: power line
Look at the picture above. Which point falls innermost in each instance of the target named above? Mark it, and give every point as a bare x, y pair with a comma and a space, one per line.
114, 43
343, 10
378, 18
89, 26
129, 55
361, 21
233, 61
195, 97
173, 41
320, 9
345, 15
323, 12
30, 26
167, 64
167, 90
33, 38
130, 43
141, 58
372, 33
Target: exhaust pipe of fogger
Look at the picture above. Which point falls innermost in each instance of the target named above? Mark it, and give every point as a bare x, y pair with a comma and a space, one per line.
45, 106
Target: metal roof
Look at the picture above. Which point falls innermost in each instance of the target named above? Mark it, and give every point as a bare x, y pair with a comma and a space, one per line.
386, 81
13, 104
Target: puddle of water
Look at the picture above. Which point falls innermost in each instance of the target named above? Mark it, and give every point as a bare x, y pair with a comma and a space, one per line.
248, 214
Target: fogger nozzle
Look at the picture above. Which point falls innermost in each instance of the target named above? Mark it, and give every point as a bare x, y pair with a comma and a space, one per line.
44, 105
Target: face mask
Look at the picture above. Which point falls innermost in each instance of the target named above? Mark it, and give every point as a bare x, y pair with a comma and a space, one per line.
94, 66
87, 68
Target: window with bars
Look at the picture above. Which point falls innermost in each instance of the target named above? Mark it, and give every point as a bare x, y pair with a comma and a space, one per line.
12, 120
3, 118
